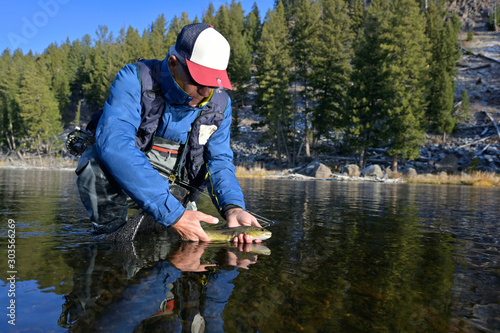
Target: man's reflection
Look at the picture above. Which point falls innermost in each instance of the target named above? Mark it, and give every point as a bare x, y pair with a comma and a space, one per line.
184, 288
202, 290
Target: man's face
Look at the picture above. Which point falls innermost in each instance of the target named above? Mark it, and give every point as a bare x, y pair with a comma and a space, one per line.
181, 75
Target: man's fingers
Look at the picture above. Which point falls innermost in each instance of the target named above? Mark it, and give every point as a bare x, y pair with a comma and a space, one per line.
209, 219
242, 238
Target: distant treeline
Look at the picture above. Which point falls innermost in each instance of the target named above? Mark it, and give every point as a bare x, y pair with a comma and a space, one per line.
367, 74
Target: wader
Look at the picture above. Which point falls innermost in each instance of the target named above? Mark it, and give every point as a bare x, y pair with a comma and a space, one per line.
106, 201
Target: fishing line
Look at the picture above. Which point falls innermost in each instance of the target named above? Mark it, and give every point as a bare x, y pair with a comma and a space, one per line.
261, 219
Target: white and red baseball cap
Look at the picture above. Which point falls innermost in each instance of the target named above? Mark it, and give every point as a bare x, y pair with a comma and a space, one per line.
206, 53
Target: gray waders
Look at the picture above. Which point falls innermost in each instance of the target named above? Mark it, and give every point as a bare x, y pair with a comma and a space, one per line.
106, 201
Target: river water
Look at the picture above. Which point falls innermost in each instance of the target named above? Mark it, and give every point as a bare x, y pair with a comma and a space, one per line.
344, 257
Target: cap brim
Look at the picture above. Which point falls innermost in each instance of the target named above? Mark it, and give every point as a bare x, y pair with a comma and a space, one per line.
208, 76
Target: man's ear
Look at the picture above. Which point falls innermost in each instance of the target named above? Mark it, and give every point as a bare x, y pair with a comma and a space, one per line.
172, 61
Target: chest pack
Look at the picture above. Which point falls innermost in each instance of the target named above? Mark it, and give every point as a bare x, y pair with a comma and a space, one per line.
190, 166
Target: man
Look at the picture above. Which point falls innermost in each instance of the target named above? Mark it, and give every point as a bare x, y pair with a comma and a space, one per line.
193, 76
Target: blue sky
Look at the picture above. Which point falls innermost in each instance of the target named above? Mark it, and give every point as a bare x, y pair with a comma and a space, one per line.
34, 24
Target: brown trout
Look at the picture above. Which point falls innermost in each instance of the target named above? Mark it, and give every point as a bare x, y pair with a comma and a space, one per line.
227, 234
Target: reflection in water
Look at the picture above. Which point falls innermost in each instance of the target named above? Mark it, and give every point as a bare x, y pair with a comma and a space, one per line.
180, 287
345, 257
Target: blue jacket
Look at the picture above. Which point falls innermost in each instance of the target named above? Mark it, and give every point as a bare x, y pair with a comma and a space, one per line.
115, 143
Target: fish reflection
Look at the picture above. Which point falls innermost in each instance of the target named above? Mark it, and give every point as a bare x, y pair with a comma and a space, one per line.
155, 285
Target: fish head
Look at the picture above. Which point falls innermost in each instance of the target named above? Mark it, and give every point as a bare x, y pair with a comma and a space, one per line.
260, 233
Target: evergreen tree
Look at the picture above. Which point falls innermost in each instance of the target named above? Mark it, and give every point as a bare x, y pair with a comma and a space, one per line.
305, 35
133, 47
356, 9
98, 73
56, 61
331, 66
404, 38
365, 113
442, 31
103, 38
252, 28
145, 50
10, 79
77, 56
274, 64
157, 38
174, 29
387, 95
38, 109
208, 15
241, 59
222, 21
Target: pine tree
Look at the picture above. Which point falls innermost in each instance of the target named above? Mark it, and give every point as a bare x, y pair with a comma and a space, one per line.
331, 66
208, 15
274, 64
157, 38
10, 78
145, 50
241, 59
365, 113
253, 28
388, 80
222, 21
442, 31
98, 72
406, 42
38, 109
77, 55
305, 34
132, 46
174, 28
56, 61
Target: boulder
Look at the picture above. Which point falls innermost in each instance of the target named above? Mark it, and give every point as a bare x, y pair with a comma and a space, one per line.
352, 170
411, 172
316, 169
373, 170
449, 164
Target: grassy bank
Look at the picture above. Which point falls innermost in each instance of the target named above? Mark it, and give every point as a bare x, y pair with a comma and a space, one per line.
483, 179
38, 161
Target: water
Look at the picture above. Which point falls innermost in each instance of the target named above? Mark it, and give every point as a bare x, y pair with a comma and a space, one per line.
345, 257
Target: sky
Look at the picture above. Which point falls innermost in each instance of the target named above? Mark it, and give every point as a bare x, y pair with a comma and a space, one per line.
35, 24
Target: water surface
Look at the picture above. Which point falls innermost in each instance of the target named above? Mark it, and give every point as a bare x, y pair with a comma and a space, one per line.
345, 257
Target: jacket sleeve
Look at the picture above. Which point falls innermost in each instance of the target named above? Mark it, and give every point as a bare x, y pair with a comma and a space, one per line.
116, 148
221, 180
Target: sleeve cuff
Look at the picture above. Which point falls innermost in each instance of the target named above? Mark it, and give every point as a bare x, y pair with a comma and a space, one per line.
226, 208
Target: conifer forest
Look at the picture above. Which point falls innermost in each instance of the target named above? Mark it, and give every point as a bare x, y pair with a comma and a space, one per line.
364, 74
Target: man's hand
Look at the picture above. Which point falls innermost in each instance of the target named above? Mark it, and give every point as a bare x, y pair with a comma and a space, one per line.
189, 228
238, 217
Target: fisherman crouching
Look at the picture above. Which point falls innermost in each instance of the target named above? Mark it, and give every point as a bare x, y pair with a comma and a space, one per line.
163, 134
